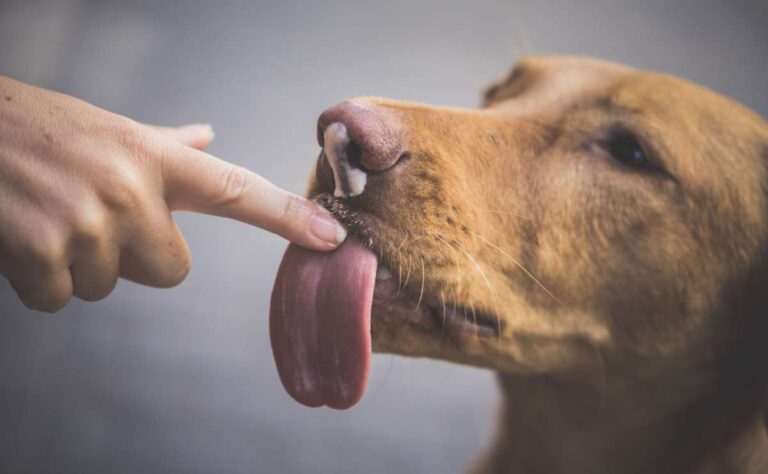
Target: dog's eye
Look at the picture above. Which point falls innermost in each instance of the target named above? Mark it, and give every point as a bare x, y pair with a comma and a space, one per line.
625, 149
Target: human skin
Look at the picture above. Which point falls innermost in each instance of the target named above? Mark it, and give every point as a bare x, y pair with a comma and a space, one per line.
86, 197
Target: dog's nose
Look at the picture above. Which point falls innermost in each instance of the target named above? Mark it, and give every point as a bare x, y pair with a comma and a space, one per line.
358, 139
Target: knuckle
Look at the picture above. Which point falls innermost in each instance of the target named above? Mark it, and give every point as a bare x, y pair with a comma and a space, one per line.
183, 269
44, 301
235, 184
123, 189
89, 225
177, 267
294, 209
176, 273
46, 251
97, 292
29, 303
52, 305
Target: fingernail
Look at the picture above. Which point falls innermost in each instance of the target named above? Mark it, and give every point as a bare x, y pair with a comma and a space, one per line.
195, 131
325, 227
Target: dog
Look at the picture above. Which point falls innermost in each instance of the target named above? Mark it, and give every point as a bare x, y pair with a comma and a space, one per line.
595, 234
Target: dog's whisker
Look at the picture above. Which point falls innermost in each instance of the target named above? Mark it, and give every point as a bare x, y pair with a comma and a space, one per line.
519, 265
399, 251
408, 273
474, 318
442, 329
487, 282
423, 277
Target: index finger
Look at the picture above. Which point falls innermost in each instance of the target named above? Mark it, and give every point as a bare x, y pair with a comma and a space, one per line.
199, 182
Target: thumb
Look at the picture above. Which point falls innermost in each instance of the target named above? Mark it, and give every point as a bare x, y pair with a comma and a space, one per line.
197, 135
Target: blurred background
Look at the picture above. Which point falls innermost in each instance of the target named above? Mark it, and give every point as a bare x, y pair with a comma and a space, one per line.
182, 380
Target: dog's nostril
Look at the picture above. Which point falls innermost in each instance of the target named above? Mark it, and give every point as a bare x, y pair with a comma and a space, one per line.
359, 139
376, 130
355, 155
349, 179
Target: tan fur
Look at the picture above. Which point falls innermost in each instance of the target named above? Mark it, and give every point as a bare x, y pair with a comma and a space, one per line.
630, 304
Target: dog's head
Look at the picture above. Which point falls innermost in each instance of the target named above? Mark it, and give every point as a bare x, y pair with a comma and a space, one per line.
587, 208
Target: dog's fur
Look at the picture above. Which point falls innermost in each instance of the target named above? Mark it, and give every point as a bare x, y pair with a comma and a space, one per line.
621, 306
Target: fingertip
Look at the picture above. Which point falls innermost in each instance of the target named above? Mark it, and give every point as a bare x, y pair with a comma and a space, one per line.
313, 243
325, 229
303, 222
195, 135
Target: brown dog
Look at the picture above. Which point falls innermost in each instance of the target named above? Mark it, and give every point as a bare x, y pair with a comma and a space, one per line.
597, 235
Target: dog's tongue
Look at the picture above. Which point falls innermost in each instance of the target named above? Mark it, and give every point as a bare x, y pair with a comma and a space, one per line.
319, 323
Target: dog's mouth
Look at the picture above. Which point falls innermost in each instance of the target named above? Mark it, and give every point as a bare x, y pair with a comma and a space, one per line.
321, 309
395, 302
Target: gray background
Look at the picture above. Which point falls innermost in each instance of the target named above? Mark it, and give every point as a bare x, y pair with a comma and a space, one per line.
182, 380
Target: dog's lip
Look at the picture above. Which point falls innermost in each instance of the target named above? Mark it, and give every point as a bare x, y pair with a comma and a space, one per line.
391, 301
421, 310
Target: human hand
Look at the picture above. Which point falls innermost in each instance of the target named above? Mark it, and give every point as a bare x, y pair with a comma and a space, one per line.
86, 197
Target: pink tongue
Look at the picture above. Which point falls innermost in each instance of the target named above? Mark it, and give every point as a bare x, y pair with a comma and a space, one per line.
320, 323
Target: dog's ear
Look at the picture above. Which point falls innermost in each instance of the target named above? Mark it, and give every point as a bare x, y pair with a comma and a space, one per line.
497, 91
512, 84
489, 93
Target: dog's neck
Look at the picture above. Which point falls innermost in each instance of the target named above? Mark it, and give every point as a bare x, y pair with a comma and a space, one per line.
675, 425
